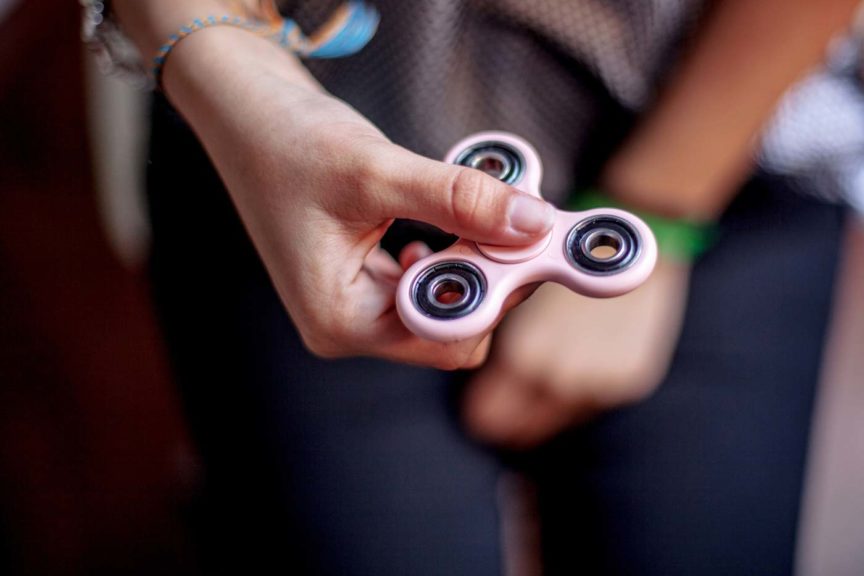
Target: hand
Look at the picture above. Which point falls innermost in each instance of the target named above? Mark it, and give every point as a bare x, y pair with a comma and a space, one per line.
561, 358
317, 185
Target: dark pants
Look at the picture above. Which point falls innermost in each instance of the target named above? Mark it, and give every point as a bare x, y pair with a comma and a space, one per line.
359, 466
706, 476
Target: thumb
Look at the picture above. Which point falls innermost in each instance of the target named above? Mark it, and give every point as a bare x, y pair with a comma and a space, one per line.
461, 200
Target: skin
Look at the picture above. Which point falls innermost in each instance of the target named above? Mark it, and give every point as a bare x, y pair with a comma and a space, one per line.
318, 237
316, 185
560, 358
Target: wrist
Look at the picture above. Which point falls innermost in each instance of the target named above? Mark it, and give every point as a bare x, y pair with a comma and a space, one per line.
235, 90
665, 196
651, 174
227, 68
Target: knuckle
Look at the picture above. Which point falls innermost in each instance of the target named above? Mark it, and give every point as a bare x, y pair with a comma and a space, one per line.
476, 360
375, 184
520, 368
469, 194
350, 166
447, 364
325, 336
453, 357
368, 175
319, 345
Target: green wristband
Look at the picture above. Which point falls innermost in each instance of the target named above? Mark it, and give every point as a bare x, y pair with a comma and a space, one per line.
680, 240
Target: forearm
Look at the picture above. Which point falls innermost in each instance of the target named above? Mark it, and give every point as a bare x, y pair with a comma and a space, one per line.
692, 150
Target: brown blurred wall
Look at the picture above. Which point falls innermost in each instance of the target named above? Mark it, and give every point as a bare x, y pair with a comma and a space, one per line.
95, 466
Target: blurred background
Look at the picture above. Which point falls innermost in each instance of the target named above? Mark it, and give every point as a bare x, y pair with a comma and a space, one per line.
95, 465
96, 468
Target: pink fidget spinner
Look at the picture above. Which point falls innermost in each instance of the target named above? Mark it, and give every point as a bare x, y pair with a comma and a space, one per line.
458, 292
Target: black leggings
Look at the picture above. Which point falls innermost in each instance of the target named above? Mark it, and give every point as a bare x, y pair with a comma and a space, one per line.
360, 467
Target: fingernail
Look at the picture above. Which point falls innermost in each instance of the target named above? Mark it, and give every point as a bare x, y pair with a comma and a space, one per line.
529, 215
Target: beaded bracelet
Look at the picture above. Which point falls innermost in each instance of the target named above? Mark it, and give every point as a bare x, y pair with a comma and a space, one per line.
680, 240
348, 30
188, 30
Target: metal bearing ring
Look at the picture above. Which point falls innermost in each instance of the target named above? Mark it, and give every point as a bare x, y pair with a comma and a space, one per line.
449, 290
602, 245
496, 159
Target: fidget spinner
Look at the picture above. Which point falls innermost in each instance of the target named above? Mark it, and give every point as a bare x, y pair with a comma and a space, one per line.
459, 292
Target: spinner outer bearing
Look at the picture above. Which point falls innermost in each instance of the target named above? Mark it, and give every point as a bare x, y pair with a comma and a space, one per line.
467, 276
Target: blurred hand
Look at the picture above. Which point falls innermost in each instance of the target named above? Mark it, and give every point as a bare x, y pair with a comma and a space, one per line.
317, 185
561, 358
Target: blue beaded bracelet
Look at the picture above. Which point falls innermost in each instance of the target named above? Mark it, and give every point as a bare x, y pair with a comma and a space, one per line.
189, 29
350, 28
